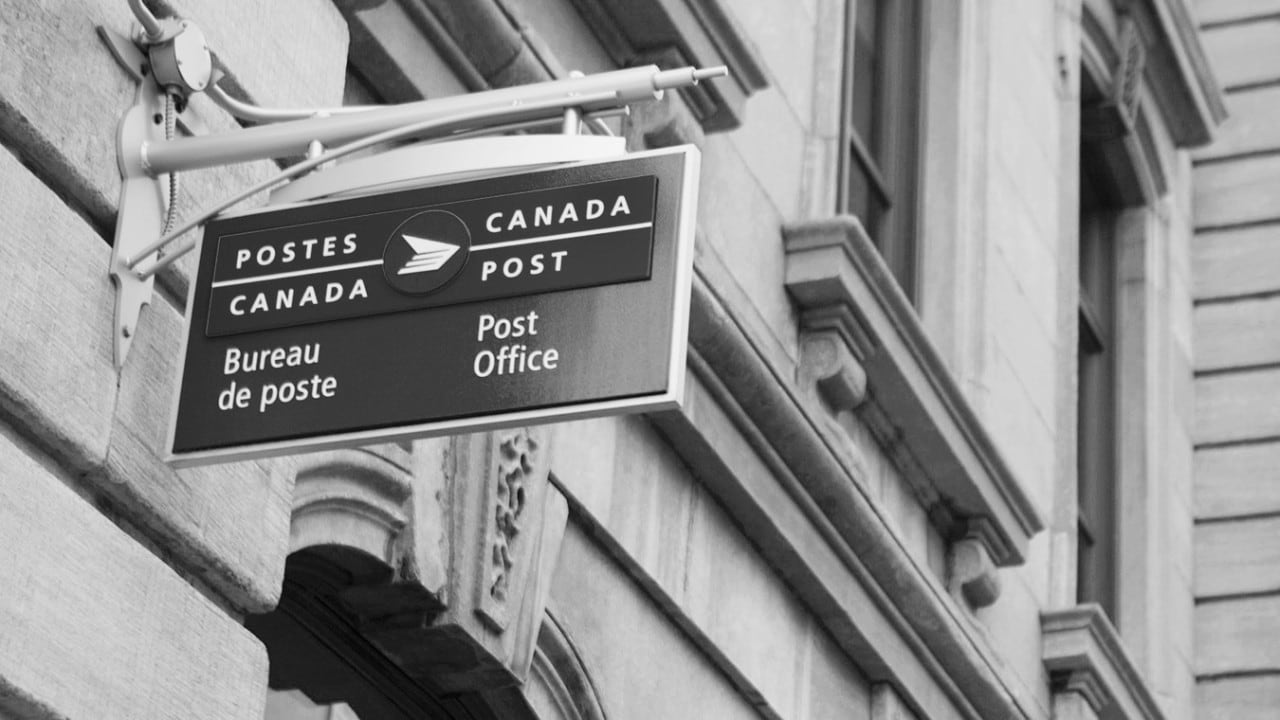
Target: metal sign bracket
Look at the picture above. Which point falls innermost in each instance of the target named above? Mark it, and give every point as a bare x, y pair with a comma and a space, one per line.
171, 59
143, 201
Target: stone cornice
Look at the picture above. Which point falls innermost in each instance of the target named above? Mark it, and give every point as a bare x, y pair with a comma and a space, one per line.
1178, 70
780, 424
831, 264
1082, 652
672, 33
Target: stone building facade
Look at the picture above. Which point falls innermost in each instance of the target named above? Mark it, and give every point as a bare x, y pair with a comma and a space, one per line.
979, 417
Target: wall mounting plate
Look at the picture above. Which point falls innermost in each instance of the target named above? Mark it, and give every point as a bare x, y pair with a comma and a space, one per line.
141, 214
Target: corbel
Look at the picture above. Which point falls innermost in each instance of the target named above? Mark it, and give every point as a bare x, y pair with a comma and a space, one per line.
1089, 669
864, 349
971, 572
1116, 115
832, 348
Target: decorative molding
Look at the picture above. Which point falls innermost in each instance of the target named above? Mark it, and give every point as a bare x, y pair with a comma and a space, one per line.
1082, 653
886, 704
827, 361
901, 621
352, 497
1177, 69
673, 33
517, 459
1116, 116
834, 270
971, 573
560, 670
498, 535
1116, 130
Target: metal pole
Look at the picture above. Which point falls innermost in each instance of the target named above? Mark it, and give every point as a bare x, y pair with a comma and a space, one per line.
292, 138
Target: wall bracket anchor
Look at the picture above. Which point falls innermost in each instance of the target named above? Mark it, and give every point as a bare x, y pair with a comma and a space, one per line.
143, 201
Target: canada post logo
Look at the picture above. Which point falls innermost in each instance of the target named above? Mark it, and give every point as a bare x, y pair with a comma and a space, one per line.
426, 252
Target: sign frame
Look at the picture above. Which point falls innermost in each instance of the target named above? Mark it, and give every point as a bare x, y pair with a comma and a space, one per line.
670, 398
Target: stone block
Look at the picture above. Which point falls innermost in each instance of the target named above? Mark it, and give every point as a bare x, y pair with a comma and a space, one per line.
96, 626
1242, 261
773, 26
738, 231
1227, 407
58, 385
1224, 11
56, 374
836, 689
772, 145
1249, 127
61, 93
1238, 192
1239, 557
559, 24
1238, 636
1238, 698
229, 522
1238, 480
1244, 54
1237, 334
620, 632
284, 53
750, 615
1013, 618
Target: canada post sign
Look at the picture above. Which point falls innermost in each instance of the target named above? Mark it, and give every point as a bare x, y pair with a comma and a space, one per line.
544, 295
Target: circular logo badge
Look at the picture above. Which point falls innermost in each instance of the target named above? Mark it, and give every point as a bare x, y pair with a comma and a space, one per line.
425, 252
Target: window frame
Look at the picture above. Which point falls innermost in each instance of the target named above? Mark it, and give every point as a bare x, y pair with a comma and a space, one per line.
889, 160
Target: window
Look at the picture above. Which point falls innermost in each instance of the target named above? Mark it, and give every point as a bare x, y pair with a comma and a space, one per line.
1096, 423
880, 128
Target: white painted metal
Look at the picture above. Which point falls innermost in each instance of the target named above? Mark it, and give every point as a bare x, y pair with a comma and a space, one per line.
432, 164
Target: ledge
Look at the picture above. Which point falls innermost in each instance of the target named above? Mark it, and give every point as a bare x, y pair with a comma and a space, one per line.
836, 276
1082, 653
674, 33
806, 462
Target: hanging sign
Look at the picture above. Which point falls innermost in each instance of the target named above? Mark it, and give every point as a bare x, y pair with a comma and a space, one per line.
541, 296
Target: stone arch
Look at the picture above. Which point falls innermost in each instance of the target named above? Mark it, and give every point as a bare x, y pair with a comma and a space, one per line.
416, 579
559, 686
355, 498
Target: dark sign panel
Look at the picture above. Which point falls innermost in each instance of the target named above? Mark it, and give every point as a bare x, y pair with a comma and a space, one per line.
551, 294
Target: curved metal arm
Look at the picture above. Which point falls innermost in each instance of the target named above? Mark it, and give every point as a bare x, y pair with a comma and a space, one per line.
253, 113
150, 24
431, 125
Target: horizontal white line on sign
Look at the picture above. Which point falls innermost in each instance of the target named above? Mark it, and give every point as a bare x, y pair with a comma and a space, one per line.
561, 236
295, 273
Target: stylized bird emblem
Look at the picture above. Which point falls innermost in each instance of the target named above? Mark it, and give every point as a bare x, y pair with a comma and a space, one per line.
428, 255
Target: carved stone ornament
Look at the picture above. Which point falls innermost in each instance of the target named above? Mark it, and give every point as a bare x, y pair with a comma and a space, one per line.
517, 454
